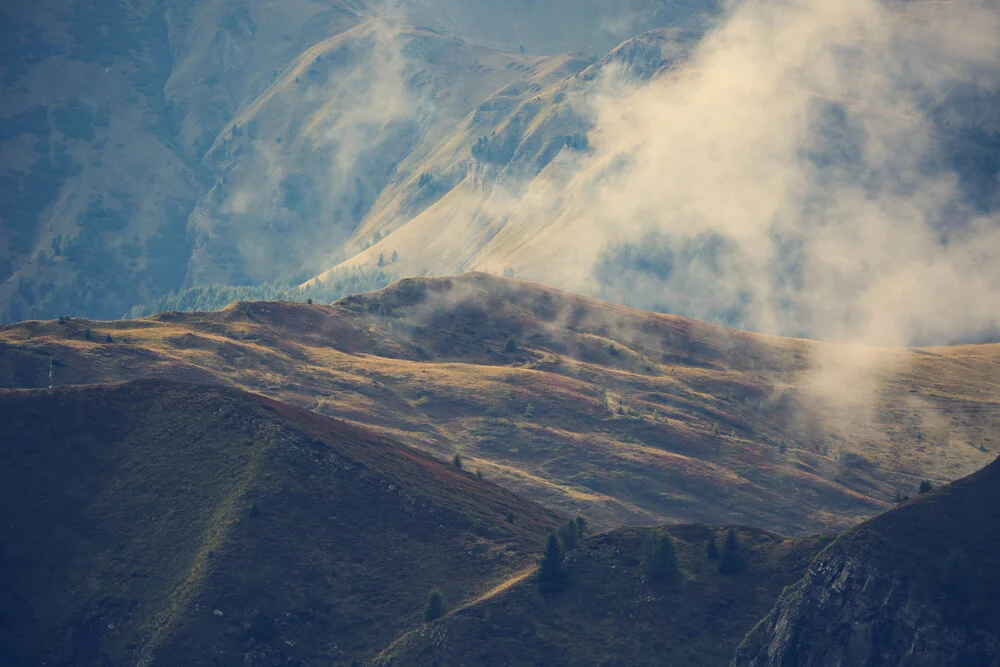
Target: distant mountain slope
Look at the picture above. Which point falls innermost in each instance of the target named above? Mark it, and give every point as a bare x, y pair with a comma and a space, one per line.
915, 586
147, 147
613, 612
590, 408
161, 524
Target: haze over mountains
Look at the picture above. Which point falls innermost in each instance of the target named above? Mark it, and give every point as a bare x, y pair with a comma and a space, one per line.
672, 156
555, 332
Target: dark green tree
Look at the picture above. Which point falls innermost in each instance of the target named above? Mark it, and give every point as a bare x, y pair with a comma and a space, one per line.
581, 526
381, 260
457, 460
732, 560
108, 339
661, 565
395, 257
88, 334
511, 346
711, 548
926, 487
436, 606
551, 574
568, 534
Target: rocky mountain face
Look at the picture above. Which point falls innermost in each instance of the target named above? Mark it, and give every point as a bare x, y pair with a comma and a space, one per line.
915, 586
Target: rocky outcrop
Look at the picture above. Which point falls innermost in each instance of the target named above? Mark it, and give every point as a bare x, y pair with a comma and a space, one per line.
851, 611
913, 587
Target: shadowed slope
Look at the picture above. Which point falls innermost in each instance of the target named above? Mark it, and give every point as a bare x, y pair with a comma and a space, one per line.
159, 524
914, 586
612, 612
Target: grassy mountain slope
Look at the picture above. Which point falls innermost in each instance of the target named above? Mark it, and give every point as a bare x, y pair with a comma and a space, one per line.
612, 612
621, 415
153, 523
299, 167
499, 175
917, 585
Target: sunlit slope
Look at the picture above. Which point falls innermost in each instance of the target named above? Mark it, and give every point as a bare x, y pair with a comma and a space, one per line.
622, 415
155, 523
493, 194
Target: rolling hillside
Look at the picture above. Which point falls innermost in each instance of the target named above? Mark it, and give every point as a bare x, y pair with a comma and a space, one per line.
623, 416
155, 523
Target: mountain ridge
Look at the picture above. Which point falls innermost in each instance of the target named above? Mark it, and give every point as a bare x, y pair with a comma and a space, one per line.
595, 409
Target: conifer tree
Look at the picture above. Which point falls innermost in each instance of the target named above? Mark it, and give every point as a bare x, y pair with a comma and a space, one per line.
732, 560
711, 548
551, 575
661, 565
568, 535
436, 606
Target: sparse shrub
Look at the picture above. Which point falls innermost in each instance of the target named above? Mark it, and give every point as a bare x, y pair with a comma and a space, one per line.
511, 346
395, 257
456, 460
732, 560
529, 411
479, 474
715, 429
88, 334
551, 574
900, 498
436, 606
62, 319
508, 272
661, 565
711, 548
510, 517
782, 447
926, 487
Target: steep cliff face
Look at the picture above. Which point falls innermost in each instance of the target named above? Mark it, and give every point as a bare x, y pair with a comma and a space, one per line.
911, 587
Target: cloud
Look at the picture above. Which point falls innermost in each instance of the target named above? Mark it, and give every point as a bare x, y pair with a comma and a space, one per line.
800, 137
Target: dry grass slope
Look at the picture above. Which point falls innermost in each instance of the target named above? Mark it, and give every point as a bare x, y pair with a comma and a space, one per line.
621, 415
